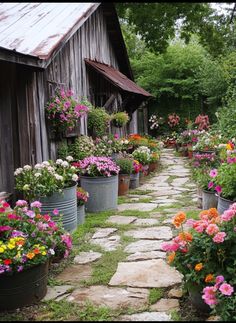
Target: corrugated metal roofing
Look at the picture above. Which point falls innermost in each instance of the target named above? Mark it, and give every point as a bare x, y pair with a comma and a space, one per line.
35, 29
117, 78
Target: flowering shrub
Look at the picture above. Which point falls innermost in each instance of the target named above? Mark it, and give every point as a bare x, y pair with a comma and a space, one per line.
155, 121
46, 178
125, 164
173, 120
63, 111
120, 119
136, 140
82, 147
97, 166
202, 121
28, 238
82, 196
142, 154
207, 249
188, 137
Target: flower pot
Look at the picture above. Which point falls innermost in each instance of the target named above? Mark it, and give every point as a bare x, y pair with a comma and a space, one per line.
134, 180
66, 203
80, 214
124, 181
209, 200
153, 166
223, 204
103, 192
23, 288
141, 178
199, 200
195, 296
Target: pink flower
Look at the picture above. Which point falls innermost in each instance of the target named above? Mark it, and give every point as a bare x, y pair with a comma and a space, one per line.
21, 203
36, 204
55, 211
209, 295
227, 215
210, 185
226, 289
213, 173
219, 237
218, 189
212, 229
169, 246
219, 279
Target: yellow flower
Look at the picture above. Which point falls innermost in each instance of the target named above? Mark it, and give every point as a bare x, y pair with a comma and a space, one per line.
11, 246
43, 253
2, 249
30, 255
198, 267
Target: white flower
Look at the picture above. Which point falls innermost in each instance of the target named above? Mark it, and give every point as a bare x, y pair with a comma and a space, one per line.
37, 174
65, 164
51, 251
26, 187
18, 171
51, 169
45, 163
73, 168
58, 177
27, 167
38, 166
69, 158
75, 177
59, 161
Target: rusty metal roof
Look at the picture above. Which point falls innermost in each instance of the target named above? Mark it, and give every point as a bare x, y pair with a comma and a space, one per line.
117, 78
36, 29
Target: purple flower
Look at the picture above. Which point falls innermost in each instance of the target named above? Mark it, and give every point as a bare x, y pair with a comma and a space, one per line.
30, 214
16, 233
20, 268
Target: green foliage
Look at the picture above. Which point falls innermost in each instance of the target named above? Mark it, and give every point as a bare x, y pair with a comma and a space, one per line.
226, 179
63, 151
120, 119
82, 147
125, 164
154, 295
98, 121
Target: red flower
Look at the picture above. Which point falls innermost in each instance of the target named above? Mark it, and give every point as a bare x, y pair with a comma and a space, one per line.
7, 261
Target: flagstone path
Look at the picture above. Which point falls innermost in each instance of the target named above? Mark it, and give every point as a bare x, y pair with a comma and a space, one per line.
145, 266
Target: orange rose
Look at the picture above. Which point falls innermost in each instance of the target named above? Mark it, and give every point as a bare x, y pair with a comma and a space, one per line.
179, 218
198, 267
20, 242
30, 255
186, 236
36, 251
171, 257
209, 278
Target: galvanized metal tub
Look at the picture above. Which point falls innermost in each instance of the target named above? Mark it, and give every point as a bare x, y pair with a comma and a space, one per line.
23, 288
66, 203
80, 214
223, 204
103, 192
134, 181
209, 200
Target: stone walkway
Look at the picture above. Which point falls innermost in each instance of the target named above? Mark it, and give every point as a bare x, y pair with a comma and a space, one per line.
145, 266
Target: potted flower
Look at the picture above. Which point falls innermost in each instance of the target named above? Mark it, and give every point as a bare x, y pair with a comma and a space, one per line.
202, 122
52, 183
224, 184
142, 154
64, 111
82, 147
99, 177
29, 240
204, 252
126, 167
82, 198
134, 176
120, 119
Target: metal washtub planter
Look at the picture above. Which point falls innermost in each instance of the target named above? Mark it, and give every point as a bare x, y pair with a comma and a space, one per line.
103, 192
209, 200
66, 203
23, 288
223, 204
134, 181
80, 214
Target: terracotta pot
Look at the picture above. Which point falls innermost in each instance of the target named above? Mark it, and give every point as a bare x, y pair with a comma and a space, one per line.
123, 186
153, 167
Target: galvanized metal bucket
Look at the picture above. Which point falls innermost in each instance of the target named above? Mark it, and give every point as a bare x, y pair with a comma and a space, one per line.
209, 200
80, 214
134, 181
103, 192
23, 288
223, 204
66, 203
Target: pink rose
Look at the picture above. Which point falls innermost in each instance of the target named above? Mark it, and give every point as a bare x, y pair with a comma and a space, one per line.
219, 237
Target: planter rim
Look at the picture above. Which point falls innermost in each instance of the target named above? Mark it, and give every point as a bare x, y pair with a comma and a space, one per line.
57, 192
210, 192
97, 176
223, 198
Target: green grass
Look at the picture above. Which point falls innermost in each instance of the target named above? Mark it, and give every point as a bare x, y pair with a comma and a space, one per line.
193, 214
154, 295
145, 200
140, 192
175, 315
138, 214
106, 266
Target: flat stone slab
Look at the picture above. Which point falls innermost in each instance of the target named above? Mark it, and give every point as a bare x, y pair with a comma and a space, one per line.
165, 305
140, 222
121, 219
146, 255
165, 192
175, 292
146, 316
137, 206
156, 187
153, 233
109, 243
103, 232
56, 291
147, 273
75, 273
86, 257
113, 297
179, 181
143, 246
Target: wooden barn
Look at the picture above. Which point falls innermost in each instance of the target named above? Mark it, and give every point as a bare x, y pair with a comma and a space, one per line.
45, 46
